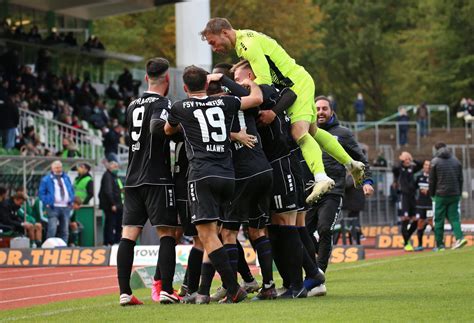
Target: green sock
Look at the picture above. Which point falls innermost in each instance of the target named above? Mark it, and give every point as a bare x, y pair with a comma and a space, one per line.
312, 153
330, 145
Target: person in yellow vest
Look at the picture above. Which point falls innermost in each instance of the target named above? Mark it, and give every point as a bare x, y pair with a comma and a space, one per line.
83, 184
111, 202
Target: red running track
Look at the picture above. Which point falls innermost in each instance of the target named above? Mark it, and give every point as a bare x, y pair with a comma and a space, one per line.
24, 287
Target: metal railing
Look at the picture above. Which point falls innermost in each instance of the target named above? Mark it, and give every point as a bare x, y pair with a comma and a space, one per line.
356, 127
52, 132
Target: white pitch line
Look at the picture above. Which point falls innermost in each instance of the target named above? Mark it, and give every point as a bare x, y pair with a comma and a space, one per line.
67, 310
59, 273
58, 282
58, 294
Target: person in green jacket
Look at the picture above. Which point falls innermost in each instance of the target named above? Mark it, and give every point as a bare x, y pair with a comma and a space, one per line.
84, 184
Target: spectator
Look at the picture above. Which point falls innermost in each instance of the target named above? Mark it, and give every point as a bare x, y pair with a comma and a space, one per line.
43, 61
125, 83
83, 184
57, 194
28, 79
111, 142
112, 92
359, 106
403, 120
53, 37
97, 44
118, 112
445, 187
75, 227
99, 118
10, 219
70, 40
404, 177
30, 144
69, 149
111, 202
10, 118
380, 161
33, 35
422, 119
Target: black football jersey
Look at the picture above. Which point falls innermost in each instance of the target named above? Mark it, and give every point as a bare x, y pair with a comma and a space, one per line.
149, 156
275, 137
423, 200
206, 124
248, 161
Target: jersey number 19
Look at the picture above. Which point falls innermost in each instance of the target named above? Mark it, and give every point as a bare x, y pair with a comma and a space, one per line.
216, 119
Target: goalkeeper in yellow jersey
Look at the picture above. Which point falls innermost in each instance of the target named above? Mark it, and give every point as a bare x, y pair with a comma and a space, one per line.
272, 64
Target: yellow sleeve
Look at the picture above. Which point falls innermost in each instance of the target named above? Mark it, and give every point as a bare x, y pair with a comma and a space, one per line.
256, 57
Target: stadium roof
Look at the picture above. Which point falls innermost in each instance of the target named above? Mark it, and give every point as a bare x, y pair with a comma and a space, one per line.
91, 9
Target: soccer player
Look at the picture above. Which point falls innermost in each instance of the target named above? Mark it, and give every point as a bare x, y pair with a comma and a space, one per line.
149, 192
404, 177
271, 64
423, 203
328, 208
285, 240
206, 123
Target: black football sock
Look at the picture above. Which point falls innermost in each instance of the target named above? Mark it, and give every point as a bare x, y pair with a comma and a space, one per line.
405, 231
412, 229
157, 275
242, 266
307, 242
125, 255
220, 260
207, 274
276, 242
167, 262
194, 269
186, 273
292, 249
265, 259
233, 254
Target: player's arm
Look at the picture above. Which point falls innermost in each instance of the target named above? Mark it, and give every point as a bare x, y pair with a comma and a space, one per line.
256, 57
286, 99
172, 122
229, 83
244, 138
254, 99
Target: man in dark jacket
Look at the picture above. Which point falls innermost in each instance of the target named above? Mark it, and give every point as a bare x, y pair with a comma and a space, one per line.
9, 120
446, 189
404, 180
327, 209
111, 203
111, 142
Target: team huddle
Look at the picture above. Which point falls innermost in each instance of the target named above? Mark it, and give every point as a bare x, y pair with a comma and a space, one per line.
247, 152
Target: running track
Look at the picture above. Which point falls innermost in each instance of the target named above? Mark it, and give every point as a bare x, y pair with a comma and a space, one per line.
24, 287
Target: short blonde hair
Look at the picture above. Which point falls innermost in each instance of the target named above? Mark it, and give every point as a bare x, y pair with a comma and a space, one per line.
242, 64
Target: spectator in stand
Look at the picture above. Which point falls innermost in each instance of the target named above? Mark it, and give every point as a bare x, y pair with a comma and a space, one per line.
380, 161
111, 142
9, 120
33, 35
27, 78
97, 44
30, 144
70, 40
446, 179
403, 120
69, 149
10, 219
359, 106
84, 184
111, 202
53, 37
422, 119
57, 194
43, 62
11, 62
404, 178
112, 92
99, 118
118, 112
125, 83
20, 34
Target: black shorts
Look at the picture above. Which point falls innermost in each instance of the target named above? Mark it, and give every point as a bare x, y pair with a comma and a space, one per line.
284, 195
407, 205
154, 202
184, 218
251, 201
297, 171
422, 213
209, 198
180, 186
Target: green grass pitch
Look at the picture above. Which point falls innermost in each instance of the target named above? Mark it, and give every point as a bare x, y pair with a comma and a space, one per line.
416, 287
